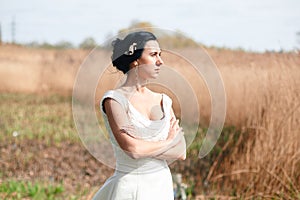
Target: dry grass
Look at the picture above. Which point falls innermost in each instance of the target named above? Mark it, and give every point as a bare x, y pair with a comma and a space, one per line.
38, 70
263, 101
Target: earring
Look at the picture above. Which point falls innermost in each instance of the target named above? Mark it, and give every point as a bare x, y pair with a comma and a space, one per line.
136, 77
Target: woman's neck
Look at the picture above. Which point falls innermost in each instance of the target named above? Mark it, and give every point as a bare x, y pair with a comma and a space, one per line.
134, 84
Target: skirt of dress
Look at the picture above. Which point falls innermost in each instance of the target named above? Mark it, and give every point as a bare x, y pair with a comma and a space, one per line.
156, 185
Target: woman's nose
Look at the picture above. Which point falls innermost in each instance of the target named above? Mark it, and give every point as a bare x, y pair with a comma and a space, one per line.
159, 61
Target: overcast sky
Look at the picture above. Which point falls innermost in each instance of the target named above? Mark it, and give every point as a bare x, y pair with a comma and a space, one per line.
255, 25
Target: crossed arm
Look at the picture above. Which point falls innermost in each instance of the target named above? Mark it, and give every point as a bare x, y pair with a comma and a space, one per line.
179, 150
171, 148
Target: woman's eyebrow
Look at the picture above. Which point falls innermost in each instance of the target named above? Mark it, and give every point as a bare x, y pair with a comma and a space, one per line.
154, 50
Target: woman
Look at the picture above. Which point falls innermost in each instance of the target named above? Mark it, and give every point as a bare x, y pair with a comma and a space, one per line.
142, 125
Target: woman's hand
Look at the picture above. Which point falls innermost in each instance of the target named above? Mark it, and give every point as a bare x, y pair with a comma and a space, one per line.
175, 131
176, 141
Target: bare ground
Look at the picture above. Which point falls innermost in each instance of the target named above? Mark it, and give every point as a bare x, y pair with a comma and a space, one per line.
66, 162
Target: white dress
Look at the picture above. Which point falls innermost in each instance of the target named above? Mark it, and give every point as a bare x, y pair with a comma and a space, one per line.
138, 179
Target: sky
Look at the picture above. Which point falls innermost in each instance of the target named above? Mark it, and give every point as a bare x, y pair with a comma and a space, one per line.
256, 25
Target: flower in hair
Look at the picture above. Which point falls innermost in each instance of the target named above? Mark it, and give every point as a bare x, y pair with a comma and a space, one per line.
131, 49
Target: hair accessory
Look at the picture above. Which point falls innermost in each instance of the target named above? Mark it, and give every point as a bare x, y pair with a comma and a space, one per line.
131, 49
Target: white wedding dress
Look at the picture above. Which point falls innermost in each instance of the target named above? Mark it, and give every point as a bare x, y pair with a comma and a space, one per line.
138, 179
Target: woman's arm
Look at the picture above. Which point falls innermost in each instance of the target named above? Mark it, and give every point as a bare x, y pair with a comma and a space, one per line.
176, 152
134, 147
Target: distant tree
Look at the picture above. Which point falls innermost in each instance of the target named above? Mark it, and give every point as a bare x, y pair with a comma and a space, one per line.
64, 45
45, 45
147, 26
88, 43
33, 44
177, 40
298, 37
166, 39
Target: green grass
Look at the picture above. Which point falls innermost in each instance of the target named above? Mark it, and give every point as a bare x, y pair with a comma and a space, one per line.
36, 117
14, 190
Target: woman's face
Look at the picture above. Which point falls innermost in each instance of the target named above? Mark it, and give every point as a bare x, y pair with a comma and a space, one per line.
150, 61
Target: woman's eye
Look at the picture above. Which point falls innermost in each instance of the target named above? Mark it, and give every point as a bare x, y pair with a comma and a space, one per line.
155, 54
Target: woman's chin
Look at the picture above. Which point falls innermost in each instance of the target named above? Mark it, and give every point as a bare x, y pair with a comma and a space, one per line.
155, 75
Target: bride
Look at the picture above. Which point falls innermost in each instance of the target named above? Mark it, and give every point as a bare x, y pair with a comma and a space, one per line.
143, 129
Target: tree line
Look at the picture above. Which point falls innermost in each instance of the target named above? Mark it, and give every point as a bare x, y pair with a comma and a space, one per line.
174, 39
88, 43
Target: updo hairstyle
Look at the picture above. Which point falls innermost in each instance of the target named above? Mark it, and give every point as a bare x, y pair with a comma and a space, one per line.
129, 49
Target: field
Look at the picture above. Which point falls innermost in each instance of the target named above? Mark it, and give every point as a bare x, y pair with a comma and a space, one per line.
256, 157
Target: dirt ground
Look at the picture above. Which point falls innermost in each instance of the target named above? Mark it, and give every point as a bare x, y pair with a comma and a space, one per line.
65, 162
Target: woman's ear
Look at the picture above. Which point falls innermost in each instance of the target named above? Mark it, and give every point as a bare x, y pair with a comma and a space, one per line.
133, 64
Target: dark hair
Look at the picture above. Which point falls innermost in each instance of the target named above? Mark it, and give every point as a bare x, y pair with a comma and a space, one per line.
129, 49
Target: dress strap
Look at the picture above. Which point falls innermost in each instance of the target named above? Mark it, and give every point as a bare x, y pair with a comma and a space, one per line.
117, 96
167, 102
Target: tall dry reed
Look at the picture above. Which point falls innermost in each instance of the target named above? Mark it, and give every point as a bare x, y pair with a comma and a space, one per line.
264, 102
